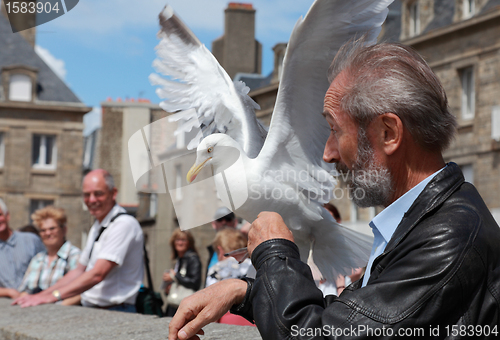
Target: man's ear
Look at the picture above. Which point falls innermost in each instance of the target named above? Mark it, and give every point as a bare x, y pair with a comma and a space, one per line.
390, 132
115, 193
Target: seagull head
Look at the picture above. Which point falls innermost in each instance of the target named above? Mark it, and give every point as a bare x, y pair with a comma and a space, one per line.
218, 149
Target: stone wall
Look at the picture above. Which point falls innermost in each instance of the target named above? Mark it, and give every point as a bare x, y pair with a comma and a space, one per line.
54, 322
473, 43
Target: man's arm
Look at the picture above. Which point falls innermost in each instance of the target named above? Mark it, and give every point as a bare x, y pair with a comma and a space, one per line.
9, 292
71, 276
72, 286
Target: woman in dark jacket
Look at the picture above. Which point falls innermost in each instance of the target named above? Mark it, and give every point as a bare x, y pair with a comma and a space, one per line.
187, 270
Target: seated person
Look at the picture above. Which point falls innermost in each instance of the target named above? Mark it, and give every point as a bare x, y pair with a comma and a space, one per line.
223, 218
60, 256
227, 240
19, 248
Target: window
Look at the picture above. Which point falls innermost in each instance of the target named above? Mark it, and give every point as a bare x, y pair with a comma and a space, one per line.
44, 152
88, 150
414, 19
468, 93
354, 212
20, 88
495, 123
36, 204
153, 205
2, 149
469, 8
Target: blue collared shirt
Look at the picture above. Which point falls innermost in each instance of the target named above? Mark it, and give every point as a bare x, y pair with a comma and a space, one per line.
384, 224
15, 256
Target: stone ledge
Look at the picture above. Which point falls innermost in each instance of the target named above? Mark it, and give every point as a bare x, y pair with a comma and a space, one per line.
53, 322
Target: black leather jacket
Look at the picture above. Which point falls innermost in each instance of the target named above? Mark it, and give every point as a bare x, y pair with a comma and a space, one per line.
189, 273
438, 276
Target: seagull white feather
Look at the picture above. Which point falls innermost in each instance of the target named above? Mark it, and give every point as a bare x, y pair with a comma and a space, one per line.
298, 131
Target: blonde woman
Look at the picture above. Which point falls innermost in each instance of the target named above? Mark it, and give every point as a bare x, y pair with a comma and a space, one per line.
60, 256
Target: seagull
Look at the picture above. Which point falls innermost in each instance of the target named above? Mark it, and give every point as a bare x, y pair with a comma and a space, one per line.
280, 169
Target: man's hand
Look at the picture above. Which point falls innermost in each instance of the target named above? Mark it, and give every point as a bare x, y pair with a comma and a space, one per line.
267, 226
206, 306
34, 300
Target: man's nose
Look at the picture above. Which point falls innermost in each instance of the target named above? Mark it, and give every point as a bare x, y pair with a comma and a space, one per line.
331, 153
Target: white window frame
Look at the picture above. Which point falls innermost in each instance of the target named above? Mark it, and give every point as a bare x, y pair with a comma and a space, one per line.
43, 152
414, 12
469, 8
20, 87
468, 93
2, 149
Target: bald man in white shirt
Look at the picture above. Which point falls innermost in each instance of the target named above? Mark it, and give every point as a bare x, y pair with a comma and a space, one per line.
110, 269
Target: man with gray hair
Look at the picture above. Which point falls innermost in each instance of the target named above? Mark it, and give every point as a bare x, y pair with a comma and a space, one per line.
16, 251
110, 269
434, 270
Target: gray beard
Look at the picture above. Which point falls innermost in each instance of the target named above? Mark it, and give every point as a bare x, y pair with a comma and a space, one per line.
370, 184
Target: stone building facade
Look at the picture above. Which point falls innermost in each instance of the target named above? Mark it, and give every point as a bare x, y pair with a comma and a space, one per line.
41, 124
460, 40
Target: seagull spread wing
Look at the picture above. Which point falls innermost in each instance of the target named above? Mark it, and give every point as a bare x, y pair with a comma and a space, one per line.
193, 79
298, 131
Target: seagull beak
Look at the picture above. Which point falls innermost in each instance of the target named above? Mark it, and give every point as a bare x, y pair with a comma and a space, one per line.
195, 169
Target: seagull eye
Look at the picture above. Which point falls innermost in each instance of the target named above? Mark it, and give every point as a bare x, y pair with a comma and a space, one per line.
210, 149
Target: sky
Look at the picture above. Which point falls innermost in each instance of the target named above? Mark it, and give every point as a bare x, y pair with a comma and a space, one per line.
104, 49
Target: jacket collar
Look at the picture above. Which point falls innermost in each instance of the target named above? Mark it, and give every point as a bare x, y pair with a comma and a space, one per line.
435, 193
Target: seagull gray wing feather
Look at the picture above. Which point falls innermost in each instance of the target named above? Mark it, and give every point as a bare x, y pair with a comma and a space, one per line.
298, 131
200, 91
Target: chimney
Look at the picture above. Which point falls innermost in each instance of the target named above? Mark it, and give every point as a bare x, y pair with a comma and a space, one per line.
19, 20
237, 50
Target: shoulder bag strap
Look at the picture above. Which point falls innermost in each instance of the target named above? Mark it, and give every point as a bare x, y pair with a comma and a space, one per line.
146, 264
102, 230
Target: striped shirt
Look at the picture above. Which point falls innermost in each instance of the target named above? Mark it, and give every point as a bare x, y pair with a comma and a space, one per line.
15, 256
43, 274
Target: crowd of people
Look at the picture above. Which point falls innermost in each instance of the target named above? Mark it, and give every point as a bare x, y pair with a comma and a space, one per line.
39, 265
47, 268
